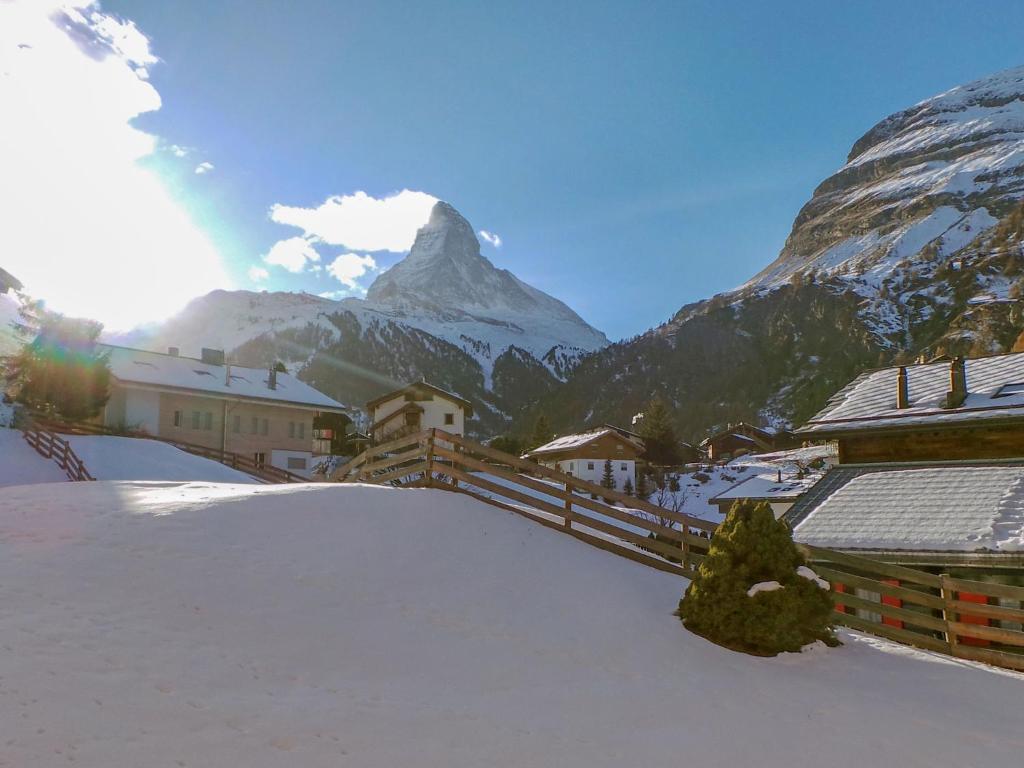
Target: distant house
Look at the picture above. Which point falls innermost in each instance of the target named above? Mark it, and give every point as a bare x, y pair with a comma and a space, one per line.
780, 494
583, 455
961, 409
415, 407
741, 439
262, 414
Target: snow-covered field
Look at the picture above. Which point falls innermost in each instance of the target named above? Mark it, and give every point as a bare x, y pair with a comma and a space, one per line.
193, 624
111, 458
127, 458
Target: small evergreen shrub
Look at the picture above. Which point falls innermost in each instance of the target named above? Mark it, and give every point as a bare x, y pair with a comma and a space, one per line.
753, 548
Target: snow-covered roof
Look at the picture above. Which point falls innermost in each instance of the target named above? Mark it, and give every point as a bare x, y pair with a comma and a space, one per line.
869, 401
417, 388
154, 369
571, 442
961, 508
766, 487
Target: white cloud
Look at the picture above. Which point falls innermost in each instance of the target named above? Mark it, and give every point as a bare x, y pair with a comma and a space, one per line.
84, 225
178, 150
349, 267
293, 254
491, 238
362, 222
204, 167
258, 274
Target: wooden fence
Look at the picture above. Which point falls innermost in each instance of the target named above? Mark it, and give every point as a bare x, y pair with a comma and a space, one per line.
50, 446
265, 472
614, 521
963, 618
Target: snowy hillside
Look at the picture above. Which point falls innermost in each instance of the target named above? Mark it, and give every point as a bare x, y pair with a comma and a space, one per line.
219, 625
125, 458
940, 171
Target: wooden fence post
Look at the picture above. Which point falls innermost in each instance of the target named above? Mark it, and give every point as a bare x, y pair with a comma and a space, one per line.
949, 611
428, 473
568, 504
684, 528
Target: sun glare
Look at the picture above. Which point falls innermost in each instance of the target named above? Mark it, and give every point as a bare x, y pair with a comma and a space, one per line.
85, 226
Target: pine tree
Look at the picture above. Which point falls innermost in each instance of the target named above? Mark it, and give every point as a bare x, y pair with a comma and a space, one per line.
60, 371
752, 547
541, 432
659, 433
608, 475
643, 489
627, 487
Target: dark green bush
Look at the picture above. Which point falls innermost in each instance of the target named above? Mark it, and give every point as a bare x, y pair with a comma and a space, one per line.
752, 547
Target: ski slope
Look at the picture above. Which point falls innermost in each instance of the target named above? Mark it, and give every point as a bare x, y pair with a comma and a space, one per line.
198, 624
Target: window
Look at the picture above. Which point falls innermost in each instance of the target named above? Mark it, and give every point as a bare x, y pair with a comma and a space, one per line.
412, 419
254, 426
590, 465
179, 418
196, 416
208, 420
618, 447
1010, 389
237, 425
259, 458
296, 462
264, 427
302, 430
449, 418
622, 467
291, 429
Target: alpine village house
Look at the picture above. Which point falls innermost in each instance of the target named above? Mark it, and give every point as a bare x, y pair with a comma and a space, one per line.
931, 467
416, 407
583, 455
266, 415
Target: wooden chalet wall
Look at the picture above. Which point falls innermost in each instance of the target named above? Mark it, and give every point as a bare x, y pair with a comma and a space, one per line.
997, 442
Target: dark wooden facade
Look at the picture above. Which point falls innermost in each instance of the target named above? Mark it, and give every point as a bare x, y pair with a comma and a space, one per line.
964, 443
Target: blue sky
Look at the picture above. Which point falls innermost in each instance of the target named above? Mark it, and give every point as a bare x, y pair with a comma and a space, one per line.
632, 157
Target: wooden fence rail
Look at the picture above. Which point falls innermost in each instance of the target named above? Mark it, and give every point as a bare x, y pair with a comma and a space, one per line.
630, 527
962, 618
50, 446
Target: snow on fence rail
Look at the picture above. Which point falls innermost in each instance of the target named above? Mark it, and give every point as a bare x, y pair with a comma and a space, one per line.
959, 617
614, 521
50, 446
936, 612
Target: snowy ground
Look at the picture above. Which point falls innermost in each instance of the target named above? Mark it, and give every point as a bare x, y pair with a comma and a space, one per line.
128, 458
188, 625
19, 462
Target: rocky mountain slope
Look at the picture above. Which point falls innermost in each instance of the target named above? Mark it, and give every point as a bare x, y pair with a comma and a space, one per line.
912, 247
445, 312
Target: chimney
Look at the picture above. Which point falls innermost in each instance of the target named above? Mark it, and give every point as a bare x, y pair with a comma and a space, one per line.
957, 383
173, 351
212, 356
227, 374
902, 389
272, 378
779, 477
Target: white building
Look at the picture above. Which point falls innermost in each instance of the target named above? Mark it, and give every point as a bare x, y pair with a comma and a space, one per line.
583, 455
416, 407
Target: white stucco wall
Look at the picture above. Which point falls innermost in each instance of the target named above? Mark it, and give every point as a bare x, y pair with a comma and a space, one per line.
431, 418
279, 459
581, 468
142, 409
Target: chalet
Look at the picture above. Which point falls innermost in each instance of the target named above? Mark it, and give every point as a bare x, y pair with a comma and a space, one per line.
263, 414
780, 494
583, 455
415, 407
740, 439
931, 466
940, 411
